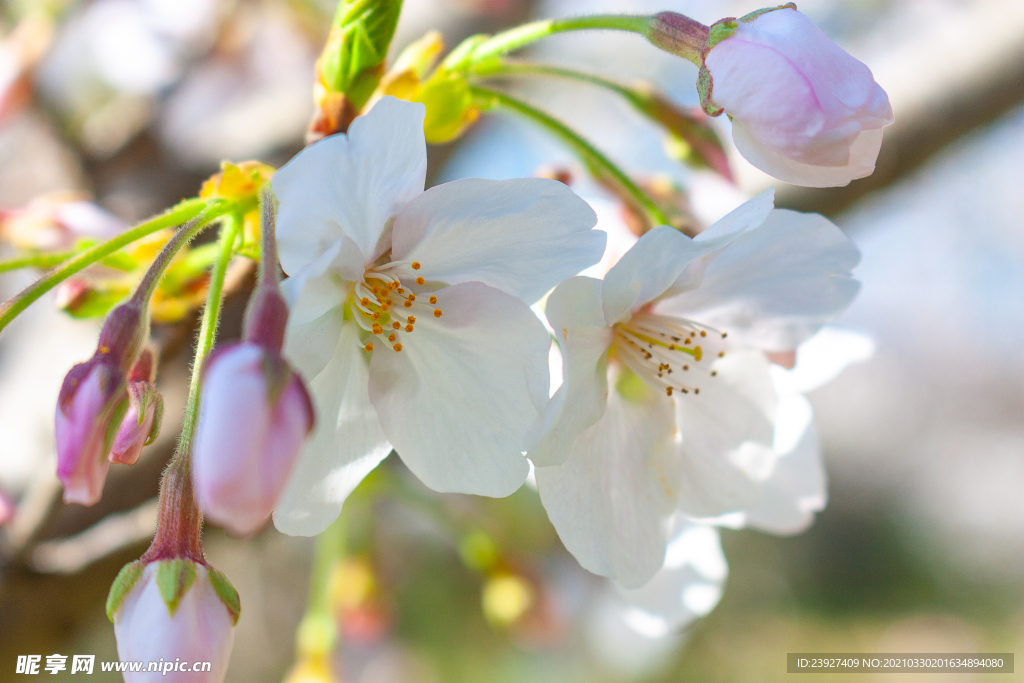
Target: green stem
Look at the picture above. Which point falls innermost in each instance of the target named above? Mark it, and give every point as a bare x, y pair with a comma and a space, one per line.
181, 213
208, 328
155, 272
517, 68
597, 163
35, 261
513, 39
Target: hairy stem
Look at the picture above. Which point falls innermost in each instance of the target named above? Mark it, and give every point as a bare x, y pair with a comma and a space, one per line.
521, 36
35, 261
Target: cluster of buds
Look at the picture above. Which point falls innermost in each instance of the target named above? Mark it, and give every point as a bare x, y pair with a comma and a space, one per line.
107, 409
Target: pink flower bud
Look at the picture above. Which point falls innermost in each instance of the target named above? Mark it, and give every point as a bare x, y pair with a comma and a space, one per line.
91, 398
803, 110
56, 221
92, 403
141, 422
254, 413
178, 624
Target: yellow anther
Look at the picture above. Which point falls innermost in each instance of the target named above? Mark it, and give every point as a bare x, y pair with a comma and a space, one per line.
687, 340
392, 337
415, 265
377, 329
411, 319
703, 333
668, 391
104, 349
721, 354
697, 353
389, 302
408, 304
412, 297
396, 325
433, 299
384, 306
401, 290
368, 347
437, 313
724, 335
408, 328
421, 281
365, 301
697, 390
376, 289
397, 347
714, 373
375, 315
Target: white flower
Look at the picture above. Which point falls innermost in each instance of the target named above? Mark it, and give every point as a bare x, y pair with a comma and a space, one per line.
435, 287
667, 402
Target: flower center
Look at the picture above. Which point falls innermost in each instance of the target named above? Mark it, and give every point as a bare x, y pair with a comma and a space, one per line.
386, 307
672, 353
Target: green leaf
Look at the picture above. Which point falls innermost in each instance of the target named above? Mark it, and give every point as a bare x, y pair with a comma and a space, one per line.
174, 578
123, 584
226, 592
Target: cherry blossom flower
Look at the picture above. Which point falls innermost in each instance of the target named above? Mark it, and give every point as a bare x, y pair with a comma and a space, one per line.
668, 402
410, 312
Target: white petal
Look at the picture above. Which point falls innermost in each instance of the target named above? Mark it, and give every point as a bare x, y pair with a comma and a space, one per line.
796, 488
574, 311
310, 346
612, 502
716, 471
350, 185
521, 236
775, 286
863, 153
821, 358
646, 271
346, 445
464, 397
688, 586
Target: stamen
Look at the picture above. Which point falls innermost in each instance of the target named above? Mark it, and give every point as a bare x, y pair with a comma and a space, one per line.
368, 347
437, 313
420, 281
415, 265
397, 347
392, 337
433, 299
396, 325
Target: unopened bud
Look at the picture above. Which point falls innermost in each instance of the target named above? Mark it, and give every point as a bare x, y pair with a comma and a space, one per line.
141, 422
176, 612
92, 403
679, 35
89, 410
254, 413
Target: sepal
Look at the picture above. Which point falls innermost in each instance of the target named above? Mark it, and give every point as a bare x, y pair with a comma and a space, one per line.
747, 18
174, 578
224, 589
122, 586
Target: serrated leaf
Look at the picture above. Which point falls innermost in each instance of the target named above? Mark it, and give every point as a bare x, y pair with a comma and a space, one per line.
174, 578
226, 592
123, 584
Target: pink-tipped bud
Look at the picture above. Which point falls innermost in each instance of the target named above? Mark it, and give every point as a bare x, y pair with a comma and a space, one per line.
91, 403
55, 222
802, 109
177, 613
254, 413
141, 422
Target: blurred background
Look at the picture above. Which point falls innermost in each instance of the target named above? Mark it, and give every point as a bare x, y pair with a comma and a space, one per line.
133, 103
